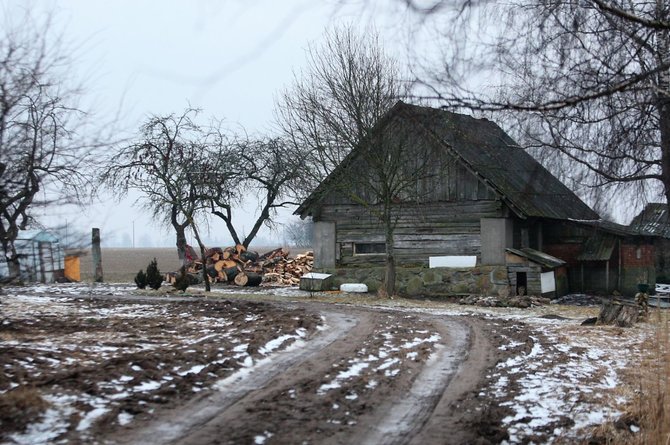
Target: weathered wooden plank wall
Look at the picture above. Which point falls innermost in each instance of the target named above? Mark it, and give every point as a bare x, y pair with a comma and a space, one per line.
447, 228
440, 215
533, 277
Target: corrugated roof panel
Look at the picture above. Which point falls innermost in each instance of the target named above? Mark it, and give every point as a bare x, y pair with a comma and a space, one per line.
652, 220
598, 248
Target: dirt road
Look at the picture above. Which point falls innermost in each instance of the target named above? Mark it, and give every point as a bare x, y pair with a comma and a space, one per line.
106, 365
292, 399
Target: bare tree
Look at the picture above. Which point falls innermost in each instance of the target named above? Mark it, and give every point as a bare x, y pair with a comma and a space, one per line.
186, 172
41, 154
163, 166
585, 85
330, 114
263, 170
348, 85
386, 174
597, 91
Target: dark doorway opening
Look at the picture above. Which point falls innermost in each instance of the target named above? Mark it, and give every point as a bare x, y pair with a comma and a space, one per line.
521, 283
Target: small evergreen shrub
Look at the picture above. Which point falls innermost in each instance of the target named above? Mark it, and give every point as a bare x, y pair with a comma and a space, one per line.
141, 279
183, 281
154, 277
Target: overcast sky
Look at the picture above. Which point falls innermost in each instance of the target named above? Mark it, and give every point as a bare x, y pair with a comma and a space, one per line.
229, 58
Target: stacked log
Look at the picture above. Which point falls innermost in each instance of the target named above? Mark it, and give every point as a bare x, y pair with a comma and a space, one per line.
242, 267
287, 272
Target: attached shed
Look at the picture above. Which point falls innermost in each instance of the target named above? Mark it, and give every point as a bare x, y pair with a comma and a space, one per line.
603, 256
40, 255
531, 272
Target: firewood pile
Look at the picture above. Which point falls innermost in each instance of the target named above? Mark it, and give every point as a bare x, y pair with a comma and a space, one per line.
242, 267
287, 272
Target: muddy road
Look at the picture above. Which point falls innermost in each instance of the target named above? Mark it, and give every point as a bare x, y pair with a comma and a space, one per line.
365, 376
118, 368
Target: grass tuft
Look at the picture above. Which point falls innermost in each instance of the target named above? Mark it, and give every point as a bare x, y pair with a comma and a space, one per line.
19, 407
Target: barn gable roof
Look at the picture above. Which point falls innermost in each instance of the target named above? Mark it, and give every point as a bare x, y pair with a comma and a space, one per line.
489, 153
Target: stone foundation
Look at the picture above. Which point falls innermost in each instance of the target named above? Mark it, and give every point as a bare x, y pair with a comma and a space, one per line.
416, 281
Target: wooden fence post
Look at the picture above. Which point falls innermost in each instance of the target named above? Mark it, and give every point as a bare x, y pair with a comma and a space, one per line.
97, 256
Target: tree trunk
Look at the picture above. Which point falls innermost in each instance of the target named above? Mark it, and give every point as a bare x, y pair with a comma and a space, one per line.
181, 243
389, 273
664, 124
663, 105
389, 276
180, 230
203, 249
13, 264
12, 259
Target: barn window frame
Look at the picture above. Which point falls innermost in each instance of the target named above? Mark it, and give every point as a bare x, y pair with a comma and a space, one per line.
369, 248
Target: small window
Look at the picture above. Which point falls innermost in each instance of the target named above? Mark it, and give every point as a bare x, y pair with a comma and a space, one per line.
369, 248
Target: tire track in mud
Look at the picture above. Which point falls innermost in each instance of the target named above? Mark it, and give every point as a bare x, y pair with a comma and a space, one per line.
403, 418
195, 415
279, 401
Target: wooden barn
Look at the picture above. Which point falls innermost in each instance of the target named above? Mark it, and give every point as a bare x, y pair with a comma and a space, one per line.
486, 195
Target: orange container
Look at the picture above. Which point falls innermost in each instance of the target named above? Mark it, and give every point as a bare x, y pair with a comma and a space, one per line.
72, 268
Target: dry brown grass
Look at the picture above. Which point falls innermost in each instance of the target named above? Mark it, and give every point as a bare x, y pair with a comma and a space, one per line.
120, 265
20, 406
654, 396
647, 389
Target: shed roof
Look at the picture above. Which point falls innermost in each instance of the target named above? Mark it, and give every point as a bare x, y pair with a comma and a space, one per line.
37, 235
613, 228
489, 153
653, 220
598, 248
541, 258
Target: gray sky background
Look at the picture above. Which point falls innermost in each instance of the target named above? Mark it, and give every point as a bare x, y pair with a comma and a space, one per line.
229, 58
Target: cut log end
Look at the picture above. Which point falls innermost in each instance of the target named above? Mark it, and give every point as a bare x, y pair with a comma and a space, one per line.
248, 279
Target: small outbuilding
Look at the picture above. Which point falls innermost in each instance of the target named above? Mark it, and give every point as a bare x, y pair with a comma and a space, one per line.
40, 255
531, 272
653, 220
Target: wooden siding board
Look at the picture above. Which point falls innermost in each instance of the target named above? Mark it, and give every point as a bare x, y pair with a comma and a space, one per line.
428, 212
421, 231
